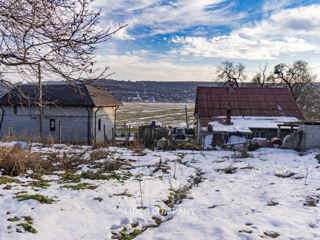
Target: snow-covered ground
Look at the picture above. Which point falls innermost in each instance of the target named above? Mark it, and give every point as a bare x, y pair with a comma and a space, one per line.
166, 195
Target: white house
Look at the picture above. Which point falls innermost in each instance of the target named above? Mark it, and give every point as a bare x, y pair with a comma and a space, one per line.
76, 114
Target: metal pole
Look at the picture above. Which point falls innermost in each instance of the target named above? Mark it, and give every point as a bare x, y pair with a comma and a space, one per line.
40, 101
115, 123
278, 132
185, 107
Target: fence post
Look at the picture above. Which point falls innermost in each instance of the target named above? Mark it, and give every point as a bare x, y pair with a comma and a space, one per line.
104, 134
60, 131
129, 134
113, 136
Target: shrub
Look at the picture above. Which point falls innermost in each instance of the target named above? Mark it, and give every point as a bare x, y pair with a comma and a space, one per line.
15, 161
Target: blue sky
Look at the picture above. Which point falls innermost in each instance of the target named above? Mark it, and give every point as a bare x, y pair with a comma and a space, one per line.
185, 40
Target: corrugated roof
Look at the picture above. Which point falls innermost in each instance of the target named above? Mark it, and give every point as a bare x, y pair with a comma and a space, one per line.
245, 101
61, 95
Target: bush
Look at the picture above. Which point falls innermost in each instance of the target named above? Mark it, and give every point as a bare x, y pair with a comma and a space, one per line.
15, 161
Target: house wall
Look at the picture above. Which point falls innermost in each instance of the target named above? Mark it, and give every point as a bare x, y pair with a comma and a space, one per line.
219, 138
74, 123
307, 137
269, 133
107, 117
311, 136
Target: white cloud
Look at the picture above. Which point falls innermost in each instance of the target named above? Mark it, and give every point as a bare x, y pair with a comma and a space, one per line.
167, 17
235, 46
287, 31
283, 32
122, 34
270, 5
288, 22
134, 67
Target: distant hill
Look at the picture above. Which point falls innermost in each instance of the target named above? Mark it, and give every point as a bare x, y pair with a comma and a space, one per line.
147, 91
151, 91
183, 92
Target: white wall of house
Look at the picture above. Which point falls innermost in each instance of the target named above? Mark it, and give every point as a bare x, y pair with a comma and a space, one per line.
106, 116
311, 136
75, 121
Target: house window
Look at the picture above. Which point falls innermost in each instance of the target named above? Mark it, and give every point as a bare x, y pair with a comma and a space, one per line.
15, 110
99, 124
52, 125
260, 135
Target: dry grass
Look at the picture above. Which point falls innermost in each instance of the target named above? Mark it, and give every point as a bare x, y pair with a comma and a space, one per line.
272, 203
69, 163
136, 145
110, 166
100, 153
185, 146
242, 153
312, 201
48, 141
271, 234
15, 161
228, 170
285, 174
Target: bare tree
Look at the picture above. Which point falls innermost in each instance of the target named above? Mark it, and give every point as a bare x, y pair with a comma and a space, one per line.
61, 36
261, 78
56, 39
295, 76
231, 74
309, 102
307, 172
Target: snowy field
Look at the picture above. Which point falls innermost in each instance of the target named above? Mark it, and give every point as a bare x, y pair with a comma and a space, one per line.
165, 114
80, 192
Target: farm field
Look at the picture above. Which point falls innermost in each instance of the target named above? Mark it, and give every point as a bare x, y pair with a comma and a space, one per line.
84, 192
165, 114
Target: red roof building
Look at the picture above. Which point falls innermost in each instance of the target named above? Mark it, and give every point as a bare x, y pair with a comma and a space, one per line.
214, 102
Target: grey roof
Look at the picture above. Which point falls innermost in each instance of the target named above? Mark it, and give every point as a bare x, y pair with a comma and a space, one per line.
60, 95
